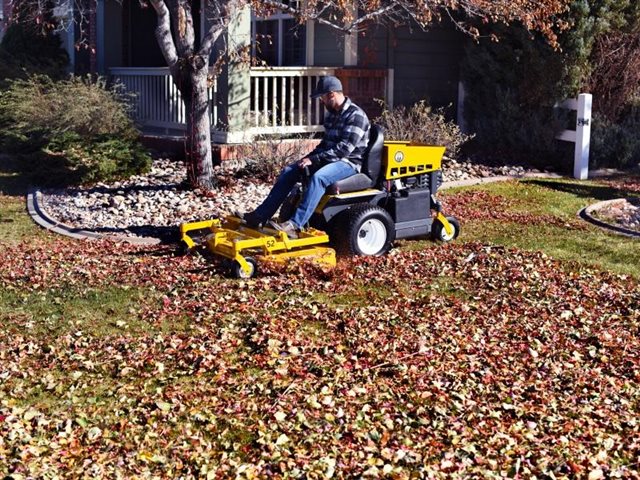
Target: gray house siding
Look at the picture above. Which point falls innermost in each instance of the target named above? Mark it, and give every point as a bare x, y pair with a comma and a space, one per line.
425, 64
373, 48
328, 47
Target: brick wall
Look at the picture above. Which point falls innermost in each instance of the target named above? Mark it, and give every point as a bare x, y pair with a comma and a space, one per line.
364, 86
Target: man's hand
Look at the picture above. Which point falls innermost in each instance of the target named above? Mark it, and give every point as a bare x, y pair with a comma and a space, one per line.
304, 162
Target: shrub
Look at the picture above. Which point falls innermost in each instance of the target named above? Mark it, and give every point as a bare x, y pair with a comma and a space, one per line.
615, 76
264, 158
512, 85
421, 124
76, 131
616, 144
78, 105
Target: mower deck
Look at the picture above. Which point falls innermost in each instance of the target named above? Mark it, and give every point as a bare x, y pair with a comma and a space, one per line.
232, 239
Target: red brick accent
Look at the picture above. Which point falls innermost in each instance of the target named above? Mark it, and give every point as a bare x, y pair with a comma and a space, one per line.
363, 86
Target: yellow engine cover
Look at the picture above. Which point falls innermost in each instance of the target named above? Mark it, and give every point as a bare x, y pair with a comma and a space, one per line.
404, 159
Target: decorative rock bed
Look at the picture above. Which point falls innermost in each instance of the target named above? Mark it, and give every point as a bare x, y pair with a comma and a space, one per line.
619, 215
151, 206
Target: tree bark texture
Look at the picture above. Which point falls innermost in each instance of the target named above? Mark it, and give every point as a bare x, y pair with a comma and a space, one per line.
189, 70
199, 157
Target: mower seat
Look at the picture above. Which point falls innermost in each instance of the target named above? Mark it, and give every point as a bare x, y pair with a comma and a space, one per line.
371, 166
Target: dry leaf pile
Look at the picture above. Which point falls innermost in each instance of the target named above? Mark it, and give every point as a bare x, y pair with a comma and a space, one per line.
463, 360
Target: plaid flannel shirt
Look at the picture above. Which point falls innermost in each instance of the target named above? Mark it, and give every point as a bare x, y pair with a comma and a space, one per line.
346, 135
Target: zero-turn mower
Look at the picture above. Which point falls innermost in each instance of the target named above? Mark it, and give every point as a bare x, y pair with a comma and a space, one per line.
393, 197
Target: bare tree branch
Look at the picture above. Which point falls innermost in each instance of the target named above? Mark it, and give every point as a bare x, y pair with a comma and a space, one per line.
163, 33
182, 20
347, 17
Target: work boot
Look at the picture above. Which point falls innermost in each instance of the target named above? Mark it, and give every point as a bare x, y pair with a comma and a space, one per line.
288, 227
250, 219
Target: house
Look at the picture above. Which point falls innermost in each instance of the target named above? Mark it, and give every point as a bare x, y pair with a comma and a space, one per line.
396, 65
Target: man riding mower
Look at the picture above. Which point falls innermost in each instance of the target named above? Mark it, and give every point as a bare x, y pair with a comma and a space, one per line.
392, 197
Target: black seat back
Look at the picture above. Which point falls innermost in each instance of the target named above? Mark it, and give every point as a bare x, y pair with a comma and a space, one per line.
371, 166
372, 158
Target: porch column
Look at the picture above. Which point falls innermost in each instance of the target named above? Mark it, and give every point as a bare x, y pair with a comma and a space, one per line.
351, 45
234, 85
100, 43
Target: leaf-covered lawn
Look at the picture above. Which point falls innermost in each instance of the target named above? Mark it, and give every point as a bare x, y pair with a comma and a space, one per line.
466, 360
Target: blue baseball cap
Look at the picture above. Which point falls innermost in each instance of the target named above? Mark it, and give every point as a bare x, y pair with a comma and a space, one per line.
325, 85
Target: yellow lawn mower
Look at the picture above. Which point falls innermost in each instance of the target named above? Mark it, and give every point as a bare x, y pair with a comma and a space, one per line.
393, 197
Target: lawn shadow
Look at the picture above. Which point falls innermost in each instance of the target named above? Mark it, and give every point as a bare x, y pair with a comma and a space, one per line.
167, 235
587, 190
13, 180
20, 172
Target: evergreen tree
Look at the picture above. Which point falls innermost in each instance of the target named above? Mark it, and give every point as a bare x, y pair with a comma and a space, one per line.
29, 48
513, 84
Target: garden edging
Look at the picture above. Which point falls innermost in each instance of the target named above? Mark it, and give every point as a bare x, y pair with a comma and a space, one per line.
587, 214
42, 218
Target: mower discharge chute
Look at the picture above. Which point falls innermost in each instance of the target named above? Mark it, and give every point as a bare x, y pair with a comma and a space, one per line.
393, 197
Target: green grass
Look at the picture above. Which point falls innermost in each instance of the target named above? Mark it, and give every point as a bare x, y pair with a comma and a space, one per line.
98, 312
557, 196
592, 247
576, 241
15, 224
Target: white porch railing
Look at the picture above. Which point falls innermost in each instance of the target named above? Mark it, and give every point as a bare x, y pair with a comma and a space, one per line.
157, 101
279, 99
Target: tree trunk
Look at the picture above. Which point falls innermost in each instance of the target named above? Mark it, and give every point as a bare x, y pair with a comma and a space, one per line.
198, 148
189, 69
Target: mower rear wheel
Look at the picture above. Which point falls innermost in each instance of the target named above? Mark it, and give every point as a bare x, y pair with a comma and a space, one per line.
364, 230
238, 272
440, 234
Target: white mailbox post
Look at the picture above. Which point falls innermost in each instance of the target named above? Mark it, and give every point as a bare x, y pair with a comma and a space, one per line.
581, 136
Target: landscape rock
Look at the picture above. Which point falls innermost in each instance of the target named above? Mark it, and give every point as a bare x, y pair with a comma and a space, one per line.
162, 200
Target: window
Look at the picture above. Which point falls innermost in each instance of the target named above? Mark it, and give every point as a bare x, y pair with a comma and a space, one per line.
278, 41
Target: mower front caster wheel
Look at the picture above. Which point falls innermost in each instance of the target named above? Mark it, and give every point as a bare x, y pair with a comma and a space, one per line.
183, 249
440, 234
238, 272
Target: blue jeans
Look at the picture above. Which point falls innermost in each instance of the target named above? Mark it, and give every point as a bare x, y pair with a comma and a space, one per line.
319, 181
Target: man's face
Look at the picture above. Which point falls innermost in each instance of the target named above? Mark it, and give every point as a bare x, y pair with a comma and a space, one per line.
331, 100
